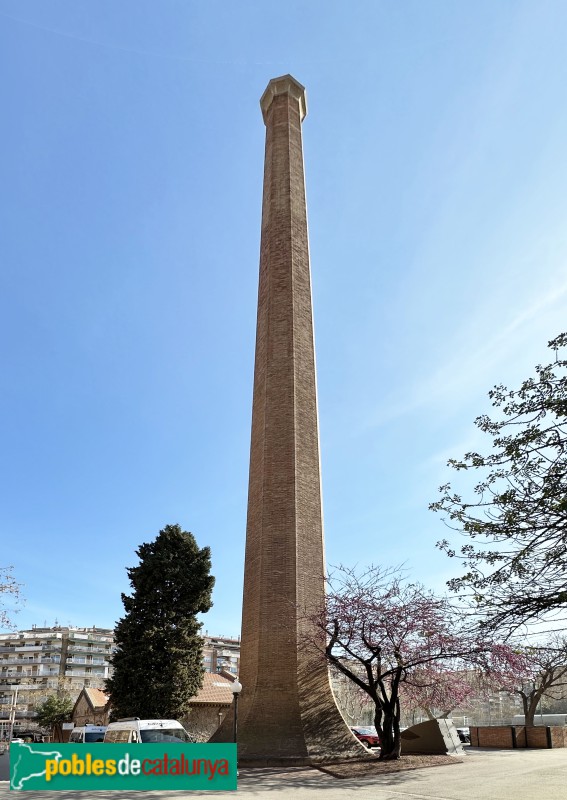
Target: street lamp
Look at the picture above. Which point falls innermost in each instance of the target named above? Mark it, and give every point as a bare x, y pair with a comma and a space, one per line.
13, 709
235, 688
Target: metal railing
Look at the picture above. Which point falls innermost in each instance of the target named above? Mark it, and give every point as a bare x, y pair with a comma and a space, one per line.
83, 673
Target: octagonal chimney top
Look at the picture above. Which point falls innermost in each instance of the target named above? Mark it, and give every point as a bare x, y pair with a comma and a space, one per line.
286, 84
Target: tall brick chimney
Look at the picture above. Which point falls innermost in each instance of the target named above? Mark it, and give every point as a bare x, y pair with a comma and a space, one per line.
287, 712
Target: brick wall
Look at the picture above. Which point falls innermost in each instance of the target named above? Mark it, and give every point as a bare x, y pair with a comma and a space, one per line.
558, 736
510, 736
520, 735
495, 736
537, 737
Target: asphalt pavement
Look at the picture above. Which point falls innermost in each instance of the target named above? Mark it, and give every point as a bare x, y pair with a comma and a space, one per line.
483, 775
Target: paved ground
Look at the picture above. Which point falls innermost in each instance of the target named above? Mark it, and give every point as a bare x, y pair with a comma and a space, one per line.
484, 775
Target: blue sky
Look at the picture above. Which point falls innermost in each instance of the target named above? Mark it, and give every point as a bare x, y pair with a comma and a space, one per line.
131, 173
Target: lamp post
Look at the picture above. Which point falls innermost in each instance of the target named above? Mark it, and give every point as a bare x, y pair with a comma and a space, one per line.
13, 708
236, 688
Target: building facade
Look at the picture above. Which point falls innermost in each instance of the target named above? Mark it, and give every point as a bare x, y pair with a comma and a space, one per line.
91, 708
39, 662
221, 654
36, 663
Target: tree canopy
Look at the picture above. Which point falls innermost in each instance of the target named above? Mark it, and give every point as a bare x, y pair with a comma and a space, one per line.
437, 689
384, 632
516, 523
158, 664
53, 712
531, 671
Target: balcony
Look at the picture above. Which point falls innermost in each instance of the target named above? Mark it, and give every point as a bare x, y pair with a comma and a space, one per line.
19, 714
80, 637
13, 675
83, 673
73, 648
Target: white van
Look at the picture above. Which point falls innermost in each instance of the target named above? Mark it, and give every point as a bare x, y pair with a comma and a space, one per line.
133, 729
87, 734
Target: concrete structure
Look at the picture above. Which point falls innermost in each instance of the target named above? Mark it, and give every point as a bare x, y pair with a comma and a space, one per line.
436, 736
542, 719
287, 712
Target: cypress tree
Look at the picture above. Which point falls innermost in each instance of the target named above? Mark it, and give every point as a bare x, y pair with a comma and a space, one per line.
158, 663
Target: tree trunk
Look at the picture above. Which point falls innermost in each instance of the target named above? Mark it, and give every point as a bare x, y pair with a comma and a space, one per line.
531, 710
387, 724
529, 703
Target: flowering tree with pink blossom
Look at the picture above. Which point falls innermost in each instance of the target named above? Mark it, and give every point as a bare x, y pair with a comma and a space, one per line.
530, 671
438, 688
384, 633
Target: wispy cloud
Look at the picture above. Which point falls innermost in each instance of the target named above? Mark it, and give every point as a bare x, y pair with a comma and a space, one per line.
477, 362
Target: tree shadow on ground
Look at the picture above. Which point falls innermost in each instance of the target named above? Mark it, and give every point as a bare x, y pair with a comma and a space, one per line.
252, 782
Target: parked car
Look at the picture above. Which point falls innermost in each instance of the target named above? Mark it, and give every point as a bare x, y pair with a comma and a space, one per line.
140, 731
86, 734
367, 735
33, 735
464, 735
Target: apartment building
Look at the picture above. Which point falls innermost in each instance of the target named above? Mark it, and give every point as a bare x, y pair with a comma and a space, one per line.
36, 663
221, 654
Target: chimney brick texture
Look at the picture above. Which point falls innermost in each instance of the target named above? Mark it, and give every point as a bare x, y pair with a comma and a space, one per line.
287, 712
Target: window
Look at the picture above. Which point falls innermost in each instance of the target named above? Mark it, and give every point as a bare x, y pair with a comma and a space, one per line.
118, 735
165, 735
